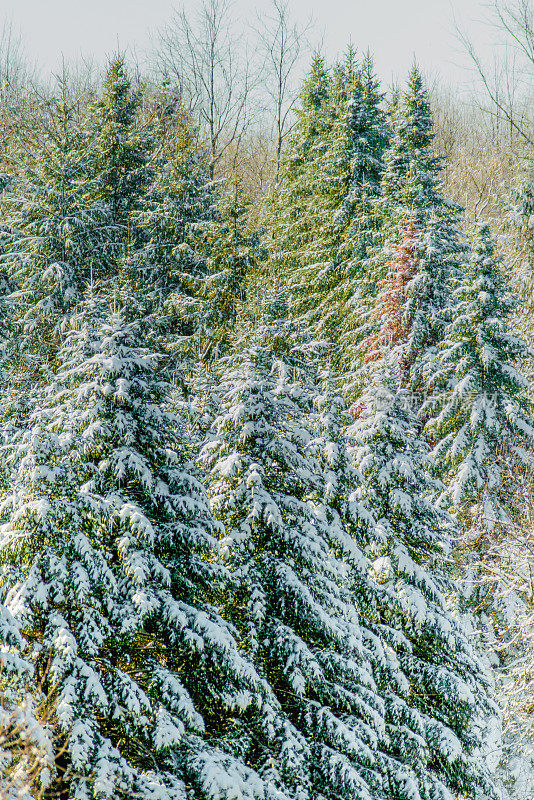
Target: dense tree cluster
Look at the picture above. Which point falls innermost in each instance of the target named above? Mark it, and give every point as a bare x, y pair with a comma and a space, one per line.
248, 460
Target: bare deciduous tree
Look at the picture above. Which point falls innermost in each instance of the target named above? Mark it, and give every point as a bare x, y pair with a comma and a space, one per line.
205, 58
508, 81
282, 43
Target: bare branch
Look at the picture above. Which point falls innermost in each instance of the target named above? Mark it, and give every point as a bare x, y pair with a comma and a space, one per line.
214, 83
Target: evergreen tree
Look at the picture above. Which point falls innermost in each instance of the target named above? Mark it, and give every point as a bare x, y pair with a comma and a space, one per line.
411, 186
329, 284
429, 302
390, 309
482, 415
26, 752
411, 169
361, 234
234, 256
300, 530
177, 219
119, 151
437, 708
323, 218
107, 545
195, 258
295, 562
54, 238
296, 218
484, 432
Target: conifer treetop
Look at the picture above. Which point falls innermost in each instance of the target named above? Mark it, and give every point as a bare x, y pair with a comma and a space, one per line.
482, 413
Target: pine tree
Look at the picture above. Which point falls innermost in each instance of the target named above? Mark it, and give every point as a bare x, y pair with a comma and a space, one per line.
107, 545
481, 423
484, 431
429, 302
177, 220
438, 705
234, 256
195, 258
328, 265
411, 169
361, 234
329, 285
26, 752
411, 186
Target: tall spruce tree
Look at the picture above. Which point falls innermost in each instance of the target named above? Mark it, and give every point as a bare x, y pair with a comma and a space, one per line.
411, 179
482, 423
289, 521
410, 182
482, 415
327, 287
295, 213
195, 255
362, 234
410, 187
301, 527
326, 265
439, 704
177, 219
55, 237
119, 152
107, 545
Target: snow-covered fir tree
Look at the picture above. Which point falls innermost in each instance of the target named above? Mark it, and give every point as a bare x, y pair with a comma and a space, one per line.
119, 151
295, 214
484, 431
328, 285
177, 219
362, 234
26, 751
323, 219
288, 520
234, 256
411, 169
482, 415
389, 313
411, 186
438, 702
55, 237
107, 545
429, 302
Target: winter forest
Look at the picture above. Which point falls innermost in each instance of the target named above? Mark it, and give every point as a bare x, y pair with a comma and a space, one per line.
266, 422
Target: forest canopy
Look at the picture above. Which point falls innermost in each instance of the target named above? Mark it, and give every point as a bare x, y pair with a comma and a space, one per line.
266, 424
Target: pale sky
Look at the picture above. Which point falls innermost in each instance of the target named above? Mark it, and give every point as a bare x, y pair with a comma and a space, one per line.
394, 30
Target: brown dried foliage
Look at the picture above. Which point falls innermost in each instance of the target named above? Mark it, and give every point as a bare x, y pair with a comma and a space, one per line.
389, 313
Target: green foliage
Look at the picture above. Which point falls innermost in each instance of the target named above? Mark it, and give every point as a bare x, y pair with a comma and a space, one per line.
292, 633
118, 150
481, 412
54, 241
